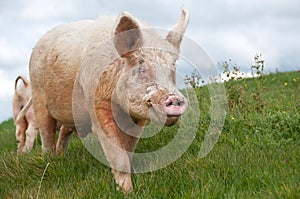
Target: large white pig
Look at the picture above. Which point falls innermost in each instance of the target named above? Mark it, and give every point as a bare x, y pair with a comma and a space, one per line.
131, 79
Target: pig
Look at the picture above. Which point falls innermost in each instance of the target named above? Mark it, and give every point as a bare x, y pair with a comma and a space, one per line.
24, 119
26, 129
123, 74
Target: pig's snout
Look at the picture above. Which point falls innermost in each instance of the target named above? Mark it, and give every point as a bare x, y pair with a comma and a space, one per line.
174, 105
168, 111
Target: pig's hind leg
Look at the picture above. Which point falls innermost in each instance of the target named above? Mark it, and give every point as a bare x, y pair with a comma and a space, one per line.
31, 134
63, 139
20, 135
47, 126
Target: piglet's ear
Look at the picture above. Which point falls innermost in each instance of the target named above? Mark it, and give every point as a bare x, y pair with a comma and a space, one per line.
175, 36
128, 36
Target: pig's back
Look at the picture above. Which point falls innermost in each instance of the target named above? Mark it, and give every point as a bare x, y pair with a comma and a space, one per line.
56, 59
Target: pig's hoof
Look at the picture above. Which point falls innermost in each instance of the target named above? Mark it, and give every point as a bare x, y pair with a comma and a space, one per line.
124, 183
26, 150
20, 150
126, 189
59, 151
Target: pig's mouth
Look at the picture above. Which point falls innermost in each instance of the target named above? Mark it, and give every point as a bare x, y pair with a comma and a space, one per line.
169, 111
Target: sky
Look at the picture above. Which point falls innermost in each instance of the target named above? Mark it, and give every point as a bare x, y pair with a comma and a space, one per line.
225, 29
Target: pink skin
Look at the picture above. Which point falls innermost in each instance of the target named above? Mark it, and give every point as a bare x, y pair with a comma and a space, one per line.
140, 83
174, 106
169, 111
26, 129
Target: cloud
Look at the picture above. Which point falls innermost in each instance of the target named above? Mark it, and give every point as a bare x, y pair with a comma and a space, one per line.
226, 29
5, 96
6, 87
238, 29
11, 53
47, 10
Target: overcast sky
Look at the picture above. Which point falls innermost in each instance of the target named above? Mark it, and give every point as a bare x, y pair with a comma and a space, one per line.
225, 29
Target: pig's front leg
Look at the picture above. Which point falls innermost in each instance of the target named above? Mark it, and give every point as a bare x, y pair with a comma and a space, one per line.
130, 128
113, 145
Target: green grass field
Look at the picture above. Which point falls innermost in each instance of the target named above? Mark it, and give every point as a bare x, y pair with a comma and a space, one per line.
257, 155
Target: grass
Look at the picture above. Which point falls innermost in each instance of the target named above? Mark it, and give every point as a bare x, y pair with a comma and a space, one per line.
257, 155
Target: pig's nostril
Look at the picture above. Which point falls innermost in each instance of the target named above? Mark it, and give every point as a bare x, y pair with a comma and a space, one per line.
169, 103
175, 106
174, 101
181, 102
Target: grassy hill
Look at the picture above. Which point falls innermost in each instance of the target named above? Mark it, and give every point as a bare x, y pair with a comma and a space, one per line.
257, 155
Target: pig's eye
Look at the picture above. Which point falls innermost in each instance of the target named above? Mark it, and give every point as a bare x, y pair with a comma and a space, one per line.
141, 70
141, 61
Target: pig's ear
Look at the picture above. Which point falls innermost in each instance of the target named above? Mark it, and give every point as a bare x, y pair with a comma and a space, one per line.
175, 36
128, 36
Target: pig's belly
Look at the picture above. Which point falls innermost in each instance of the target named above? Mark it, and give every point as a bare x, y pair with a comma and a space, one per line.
59, 89
60, 109
67, 110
